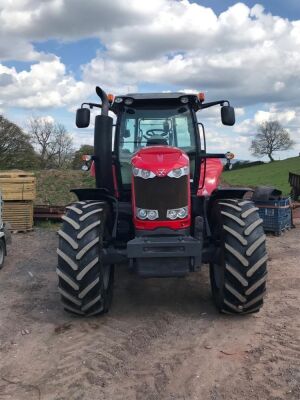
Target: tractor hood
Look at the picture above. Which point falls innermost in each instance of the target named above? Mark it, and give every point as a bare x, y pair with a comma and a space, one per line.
160, 159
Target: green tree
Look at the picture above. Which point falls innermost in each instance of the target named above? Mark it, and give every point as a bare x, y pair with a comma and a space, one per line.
77, 159
16, 150
271, 137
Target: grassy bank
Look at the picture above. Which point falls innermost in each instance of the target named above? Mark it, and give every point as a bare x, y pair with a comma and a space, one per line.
273, 174
53, 186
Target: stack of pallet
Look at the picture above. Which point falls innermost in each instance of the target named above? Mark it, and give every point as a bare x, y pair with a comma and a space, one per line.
18, 190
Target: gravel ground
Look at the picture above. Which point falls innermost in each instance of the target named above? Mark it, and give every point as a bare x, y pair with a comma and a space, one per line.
163, 339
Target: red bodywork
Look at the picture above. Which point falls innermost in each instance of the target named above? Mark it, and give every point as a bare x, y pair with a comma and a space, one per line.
213, 171
160, 160
93, 174
92, 170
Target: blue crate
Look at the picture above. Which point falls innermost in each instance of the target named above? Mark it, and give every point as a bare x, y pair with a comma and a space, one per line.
276, 214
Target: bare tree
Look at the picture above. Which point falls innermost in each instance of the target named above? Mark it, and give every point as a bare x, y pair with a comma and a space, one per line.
52, 142
271, 137
41, 132
63, 146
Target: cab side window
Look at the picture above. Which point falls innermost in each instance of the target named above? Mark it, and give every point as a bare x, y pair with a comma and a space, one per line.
127, 139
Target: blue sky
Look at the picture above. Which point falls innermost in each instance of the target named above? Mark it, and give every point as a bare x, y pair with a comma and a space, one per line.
285, 8
52, 54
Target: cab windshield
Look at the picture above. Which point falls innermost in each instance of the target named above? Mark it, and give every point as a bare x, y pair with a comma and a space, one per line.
140, 127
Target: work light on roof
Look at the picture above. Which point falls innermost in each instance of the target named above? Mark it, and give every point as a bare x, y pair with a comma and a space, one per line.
184, 100
128, 101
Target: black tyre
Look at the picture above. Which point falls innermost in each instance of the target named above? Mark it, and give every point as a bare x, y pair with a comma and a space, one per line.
239, 272
85, 284
2, 252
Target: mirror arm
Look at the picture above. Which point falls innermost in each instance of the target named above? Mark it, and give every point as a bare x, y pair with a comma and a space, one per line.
214, 103
212, 155
91, 105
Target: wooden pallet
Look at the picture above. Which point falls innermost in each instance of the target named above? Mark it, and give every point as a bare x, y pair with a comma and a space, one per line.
17, 185
19, 214
15, 173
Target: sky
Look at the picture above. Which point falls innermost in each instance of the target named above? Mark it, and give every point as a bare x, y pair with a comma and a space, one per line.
54, 52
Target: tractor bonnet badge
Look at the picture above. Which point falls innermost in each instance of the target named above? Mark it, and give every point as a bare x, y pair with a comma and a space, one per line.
161, 172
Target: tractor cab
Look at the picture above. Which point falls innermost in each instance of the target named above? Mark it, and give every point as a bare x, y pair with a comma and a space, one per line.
158, 120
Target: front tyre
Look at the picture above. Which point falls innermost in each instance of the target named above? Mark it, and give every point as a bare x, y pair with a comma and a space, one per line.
238, 273
85, 283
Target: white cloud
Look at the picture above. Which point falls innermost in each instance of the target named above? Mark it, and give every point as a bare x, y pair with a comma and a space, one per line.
46, 84
245, 54
44, 119
70, 19
247, 127
284, 117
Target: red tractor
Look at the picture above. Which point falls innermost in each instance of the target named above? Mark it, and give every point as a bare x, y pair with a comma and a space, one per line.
157, 205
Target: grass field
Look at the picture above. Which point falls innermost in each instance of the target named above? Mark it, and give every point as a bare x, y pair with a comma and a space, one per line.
274, 174
53, 186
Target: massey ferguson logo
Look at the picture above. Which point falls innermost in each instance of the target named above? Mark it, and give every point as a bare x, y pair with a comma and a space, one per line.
161, 172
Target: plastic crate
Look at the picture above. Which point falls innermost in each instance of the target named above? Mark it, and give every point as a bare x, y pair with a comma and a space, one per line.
276, 214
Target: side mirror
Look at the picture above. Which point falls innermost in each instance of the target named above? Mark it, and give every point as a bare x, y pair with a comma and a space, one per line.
227, 115
83, 117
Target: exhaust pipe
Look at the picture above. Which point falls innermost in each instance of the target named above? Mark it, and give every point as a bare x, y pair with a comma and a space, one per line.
103, 145
104, 99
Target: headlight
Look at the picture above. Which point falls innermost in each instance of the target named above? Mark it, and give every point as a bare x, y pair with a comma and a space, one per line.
128, 101
177, 213
142, 213
118, 100
172, 214
179, 172
142, 173
152, 214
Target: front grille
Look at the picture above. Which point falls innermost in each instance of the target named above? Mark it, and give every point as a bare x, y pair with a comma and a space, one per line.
161, 194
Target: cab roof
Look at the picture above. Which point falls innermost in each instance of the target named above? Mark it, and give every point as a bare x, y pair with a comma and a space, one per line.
162, 95
165, 99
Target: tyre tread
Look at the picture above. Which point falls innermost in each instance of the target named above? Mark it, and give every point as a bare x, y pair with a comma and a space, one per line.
243, 285
80, 270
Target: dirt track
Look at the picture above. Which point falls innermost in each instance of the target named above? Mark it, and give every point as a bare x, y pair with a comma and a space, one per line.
162, 339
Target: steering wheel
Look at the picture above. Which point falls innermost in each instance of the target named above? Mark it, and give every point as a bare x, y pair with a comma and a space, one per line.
151, 132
